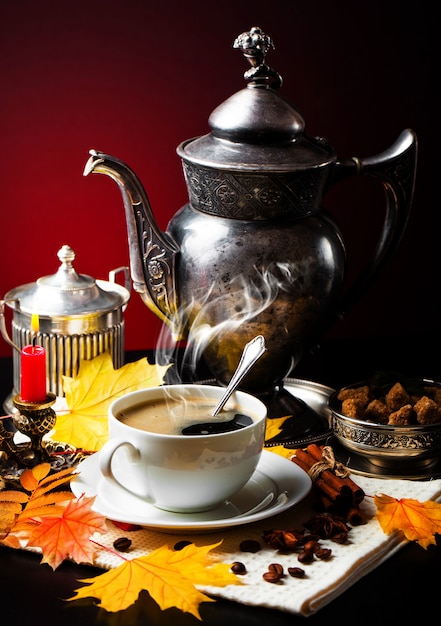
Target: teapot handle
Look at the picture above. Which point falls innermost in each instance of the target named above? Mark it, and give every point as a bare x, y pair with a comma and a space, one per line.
396, 169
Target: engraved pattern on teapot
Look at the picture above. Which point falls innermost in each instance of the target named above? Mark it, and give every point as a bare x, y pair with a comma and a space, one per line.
257, 197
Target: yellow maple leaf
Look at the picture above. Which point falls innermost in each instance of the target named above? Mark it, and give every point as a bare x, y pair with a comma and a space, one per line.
68, 533
288, 453
169, 576
273, 427
89, 395
419, 521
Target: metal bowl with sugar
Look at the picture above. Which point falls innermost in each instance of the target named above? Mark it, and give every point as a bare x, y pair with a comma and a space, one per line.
368, 421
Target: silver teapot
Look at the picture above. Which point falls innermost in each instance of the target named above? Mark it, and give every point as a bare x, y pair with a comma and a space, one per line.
253, 252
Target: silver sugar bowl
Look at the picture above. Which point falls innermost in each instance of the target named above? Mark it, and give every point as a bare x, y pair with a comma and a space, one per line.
79, 318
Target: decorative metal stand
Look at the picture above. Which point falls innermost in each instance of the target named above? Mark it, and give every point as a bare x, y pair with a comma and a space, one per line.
34, 420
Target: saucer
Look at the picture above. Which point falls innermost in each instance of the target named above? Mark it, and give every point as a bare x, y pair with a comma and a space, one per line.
276, 485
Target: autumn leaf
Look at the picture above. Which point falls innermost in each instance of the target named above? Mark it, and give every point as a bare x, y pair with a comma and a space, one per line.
68, 534
287, 453
274, 426
20, 510
40, 481
48, 518
89, 395
17, 507
10, 507
419, 521
169, 576
45, 497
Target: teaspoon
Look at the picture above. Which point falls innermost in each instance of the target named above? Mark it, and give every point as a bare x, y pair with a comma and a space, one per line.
252, 351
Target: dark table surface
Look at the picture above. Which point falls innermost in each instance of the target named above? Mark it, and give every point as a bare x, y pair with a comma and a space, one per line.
404, 589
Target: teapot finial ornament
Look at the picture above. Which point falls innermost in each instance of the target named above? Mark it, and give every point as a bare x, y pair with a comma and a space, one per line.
255, 45
253, 252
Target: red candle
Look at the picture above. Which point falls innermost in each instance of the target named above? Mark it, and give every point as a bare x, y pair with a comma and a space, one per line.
33, 370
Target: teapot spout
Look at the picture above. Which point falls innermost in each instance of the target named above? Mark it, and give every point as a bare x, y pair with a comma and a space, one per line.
152, 253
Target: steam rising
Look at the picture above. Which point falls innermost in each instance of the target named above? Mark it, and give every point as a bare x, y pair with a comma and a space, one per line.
243, 308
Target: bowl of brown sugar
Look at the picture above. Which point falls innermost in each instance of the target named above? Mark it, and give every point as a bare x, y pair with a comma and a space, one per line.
390, 421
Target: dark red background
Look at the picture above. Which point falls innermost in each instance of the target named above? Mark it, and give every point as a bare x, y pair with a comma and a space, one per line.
134, 78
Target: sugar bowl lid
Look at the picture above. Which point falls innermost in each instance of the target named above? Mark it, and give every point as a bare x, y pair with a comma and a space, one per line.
67, 293
256, 129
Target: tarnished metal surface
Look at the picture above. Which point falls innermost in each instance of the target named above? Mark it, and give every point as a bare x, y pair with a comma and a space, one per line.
79, 318
253, 253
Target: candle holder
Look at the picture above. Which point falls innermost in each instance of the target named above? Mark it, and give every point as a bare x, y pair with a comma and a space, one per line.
34, 420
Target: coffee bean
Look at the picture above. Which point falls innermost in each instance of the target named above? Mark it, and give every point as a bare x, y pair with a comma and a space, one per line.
323, 553
311, 546
180, 545
305, 557
250, 545
277, 568
238, 568
296, 572
271, 577
122, 544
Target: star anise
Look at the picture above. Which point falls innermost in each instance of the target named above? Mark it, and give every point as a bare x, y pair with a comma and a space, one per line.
283, 540
328, 526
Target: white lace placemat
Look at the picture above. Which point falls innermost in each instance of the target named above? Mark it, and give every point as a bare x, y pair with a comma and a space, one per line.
324, 580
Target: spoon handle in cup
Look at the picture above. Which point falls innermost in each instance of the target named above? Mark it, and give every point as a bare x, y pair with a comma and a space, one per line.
252, 351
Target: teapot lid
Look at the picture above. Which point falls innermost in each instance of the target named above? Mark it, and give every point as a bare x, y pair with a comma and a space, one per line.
256, 128
67, 293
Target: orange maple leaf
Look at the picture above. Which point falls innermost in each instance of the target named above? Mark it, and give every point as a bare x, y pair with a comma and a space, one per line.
48, 518
169, 576
68, 533
419, 521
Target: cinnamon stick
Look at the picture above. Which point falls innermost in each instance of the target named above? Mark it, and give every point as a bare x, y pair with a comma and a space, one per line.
329, 484
338, 494
346, 482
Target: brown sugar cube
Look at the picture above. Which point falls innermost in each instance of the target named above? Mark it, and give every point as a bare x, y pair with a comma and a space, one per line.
397, 397
401, 417
427, 411
353, 407
377, 411
360, 393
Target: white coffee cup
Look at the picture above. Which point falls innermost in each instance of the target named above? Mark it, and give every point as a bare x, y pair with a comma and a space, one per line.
175, 471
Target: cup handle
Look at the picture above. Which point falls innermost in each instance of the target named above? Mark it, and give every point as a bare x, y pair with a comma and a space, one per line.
106, 456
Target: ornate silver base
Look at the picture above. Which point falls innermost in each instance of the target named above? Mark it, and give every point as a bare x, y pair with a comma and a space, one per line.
23, 444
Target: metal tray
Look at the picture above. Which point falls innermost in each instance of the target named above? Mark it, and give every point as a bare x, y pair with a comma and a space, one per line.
316, 396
